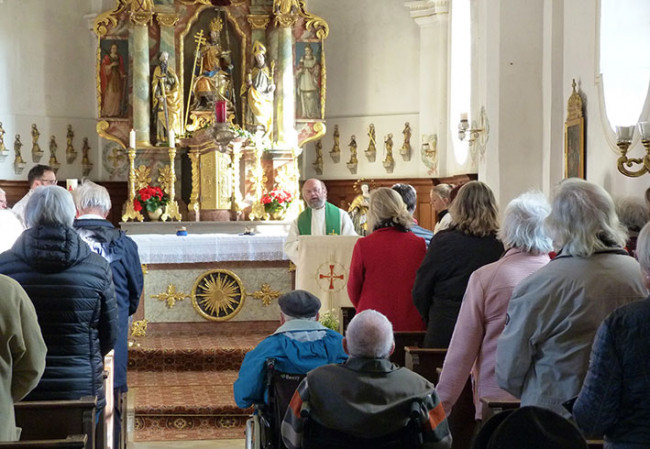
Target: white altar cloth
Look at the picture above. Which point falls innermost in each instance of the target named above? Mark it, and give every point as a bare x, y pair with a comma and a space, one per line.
193, 248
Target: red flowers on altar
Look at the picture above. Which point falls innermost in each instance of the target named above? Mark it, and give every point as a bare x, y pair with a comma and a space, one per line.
151, 198
276, 200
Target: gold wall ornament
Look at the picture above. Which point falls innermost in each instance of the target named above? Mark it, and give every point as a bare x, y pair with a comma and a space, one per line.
165, 178
102, 131
318, 163
371, 151
70, 152
53, 162
108, 18
286, 12
335, 152
37, 153
142, 177
142, 18
167, 20
19, 162
258, 21
2, 139
171, 296
218, 295
389, 162
141, 5
265, 294
139, 328
405, 150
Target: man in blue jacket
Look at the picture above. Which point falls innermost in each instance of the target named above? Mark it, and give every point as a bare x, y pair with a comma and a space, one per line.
299, 345
93, 204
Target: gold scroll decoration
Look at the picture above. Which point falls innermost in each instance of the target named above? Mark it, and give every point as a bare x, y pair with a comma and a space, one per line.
218, 295
171, 296
265, 294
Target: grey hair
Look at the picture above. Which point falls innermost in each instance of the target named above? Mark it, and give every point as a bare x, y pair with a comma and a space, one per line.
442, 190
583, 219
523, 224
386, 205
91, 196
643, 248
632, 212
49, 205
369, 335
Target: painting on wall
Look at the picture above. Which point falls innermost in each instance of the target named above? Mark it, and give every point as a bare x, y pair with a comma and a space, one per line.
574, 137
113, 66
308, 80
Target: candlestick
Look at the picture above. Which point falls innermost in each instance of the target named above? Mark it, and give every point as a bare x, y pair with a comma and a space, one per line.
132, 139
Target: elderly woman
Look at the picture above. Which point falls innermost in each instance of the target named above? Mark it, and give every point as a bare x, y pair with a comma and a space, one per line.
543, 352
633, 214
453, 255
483, 311
440, 199
383, 264
72, 292
614, 398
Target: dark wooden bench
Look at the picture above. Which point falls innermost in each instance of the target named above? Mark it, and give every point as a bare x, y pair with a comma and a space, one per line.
402, 340
47, 420
71, 442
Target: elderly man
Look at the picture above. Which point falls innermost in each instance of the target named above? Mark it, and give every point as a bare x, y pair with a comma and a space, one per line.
300, 344
39, 175
410, 198
366, 397
93, 204
543, 352
320, 218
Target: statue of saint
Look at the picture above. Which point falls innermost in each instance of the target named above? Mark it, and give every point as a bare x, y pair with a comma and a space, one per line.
358, 210
319, 153
17, 146
69, 136
35, 135
2, 138
372, 140
113, 77
337, 136
388, 142
406, 146
53, 148
166, 100
353, 150
307, 84
85, 149
213, 82
258, 93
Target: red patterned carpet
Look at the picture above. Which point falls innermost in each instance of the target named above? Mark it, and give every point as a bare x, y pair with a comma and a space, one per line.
182, 384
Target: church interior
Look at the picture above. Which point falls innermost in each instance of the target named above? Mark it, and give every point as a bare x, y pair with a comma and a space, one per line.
229, 106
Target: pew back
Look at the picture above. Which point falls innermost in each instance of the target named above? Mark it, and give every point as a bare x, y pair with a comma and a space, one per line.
71, 442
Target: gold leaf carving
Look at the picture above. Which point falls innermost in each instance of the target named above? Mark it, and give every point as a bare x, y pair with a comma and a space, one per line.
171, 296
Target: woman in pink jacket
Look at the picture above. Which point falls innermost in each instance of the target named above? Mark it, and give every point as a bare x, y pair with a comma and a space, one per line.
483, 311
383, 266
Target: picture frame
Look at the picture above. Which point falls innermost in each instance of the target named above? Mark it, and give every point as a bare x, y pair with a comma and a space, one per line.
574, 148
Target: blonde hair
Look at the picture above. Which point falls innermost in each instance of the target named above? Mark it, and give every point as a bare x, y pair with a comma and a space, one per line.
388, 208
474, 210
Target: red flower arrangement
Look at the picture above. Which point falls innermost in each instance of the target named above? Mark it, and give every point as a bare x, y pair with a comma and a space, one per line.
276, 200
151, 198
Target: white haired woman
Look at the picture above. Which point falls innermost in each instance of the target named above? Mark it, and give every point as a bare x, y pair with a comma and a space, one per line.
452, 257
483, 311
72, 291
614, 398
553, 315
384, 263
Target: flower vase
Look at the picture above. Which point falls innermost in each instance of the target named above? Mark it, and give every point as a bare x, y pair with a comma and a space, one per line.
278, 214
155, 214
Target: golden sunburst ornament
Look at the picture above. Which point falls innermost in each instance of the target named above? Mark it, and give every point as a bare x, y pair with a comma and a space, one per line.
218, 295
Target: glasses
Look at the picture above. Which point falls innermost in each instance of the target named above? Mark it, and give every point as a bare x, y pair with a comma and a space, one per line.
48, 182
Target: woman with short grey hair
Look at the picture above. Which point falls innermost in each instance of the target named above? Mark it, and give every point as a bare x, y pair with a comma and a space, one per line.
543, 352
72, 291
633, 214
483, 311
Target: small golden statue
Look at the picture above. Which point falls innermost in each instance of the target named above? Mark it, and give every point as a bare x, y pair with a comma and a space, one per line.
85, 161
371, 152
335, 152
353, 162
53, 147
2, 138
318, 163
70, 152
37, 153
389, 162
19, 163
405, 151
358, 209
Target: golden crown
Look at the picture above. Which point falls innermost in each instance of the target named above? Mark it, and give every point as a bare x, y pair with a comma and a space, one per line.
216, 24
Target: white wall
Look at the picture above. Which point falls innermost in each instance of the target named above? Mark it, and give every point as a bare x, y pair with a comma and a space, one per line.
47, 77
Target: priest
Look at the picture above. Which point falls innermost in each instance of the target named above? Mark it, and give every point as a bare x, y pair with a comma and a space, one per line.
320, 218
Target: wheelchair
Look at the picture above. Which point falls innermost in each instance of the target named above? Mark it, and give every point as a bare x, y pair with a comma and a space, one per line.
263, 428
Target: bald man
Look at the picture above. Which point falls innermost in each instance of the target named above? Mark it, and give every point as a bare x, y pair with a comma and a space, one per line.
320, 218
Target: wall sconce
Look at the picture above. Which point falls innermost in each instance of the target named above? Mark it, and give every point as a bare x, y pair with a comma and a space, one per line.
624, 135
478, 132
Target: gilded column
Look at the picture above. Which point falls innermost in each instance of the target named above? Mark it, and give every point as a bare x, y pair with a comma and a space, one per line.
167, 23
285, 112
141, 16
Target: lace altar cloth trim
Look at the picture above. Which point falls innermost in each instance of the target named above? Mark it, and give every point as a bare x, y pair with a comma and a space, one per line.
166, 248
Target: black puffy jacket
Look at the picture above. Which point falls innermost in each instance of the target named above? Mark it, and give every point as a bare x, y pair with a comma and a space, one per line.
72, 290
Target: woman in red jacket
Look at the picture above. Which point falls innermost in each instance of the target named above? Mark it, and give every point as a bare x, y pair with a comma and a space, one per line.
383, 266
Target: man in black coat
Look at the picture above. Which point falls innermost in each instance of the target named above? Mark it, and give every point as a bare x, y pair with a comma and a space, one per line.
93, 204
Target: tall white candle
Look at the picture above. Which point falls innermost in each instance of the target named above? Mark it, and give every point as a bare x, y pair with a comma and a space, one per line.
132, 139
172, 139
463, 116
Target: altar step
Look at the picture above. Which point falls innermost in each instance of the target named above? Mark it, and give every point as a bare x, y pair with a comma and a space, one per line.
181, 384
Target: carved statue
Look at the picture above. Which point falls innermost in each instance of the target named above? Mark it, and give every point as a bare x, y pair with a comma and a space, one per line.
53, 148
35, 135
166, 100
358, 210
372, 140
258, 93
308, 85
353, 150
213, 82
113, 82
336, 148
406, 146
84, 151
17, 146
388, 142
319, 153
285, 6
2, 138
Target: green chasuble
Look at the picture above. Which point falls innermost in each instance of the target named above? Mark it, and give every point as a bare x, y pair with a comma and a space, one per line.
332, 221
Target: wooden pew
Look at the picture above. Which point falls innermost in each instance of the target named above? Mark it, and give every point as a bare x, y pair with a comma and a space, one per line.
403, 339
347, 313
71, 442
47, 420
